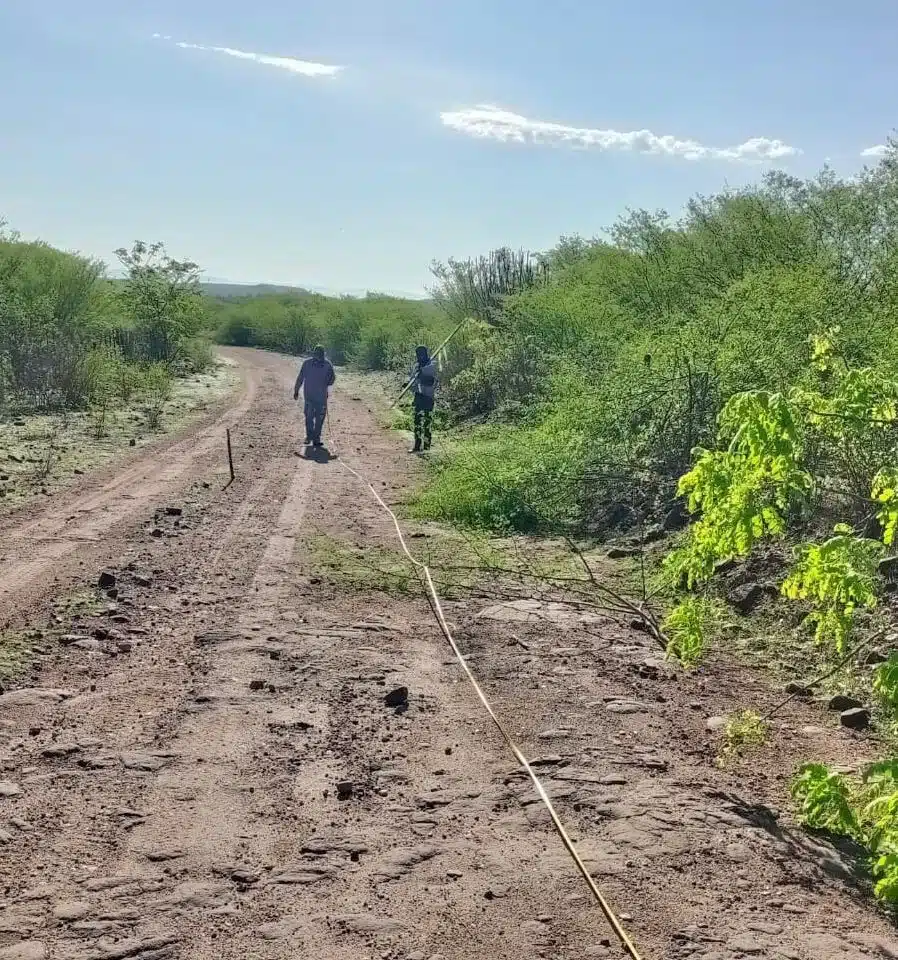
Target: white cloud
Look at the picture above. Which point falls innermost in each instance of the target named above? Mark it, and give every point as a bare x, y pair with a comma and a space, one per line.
879, 150
497, 124
305, 68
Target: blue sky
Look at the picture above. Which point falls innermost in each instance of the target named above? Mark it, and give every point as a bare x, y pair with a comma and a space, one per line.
451, 127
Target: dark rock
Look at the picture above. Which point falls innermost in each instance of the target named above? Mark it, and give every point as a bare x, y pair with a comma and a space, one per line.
142, 580
746, 597
676, 518
70, 639
856, 719
638, 624
397, 697
60, 750
798, 689
842, 702
156, 532
174, 511
257, 684
344, 789
653, 532
107, 580
162, 856
620, 553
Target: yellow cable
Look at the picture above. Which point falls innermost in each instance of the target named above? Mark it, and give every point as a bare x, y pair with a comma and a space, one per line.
436, 607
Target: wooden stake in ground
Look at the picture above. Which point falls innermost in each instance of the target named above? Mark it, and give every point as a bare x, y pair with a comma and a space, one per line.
230, 455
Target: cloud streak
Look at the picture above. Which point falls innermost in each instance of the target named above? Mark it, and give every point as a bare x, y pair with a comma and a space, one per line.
880, 150
303, 68
494, 123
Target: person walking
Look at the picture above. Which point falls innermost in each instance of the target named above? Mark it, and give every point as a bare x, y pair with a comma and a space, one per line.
425, 384
316, 377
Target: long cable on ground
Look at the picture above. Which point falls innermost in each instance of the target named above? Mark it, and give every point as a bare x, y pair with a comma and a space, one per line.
437, 608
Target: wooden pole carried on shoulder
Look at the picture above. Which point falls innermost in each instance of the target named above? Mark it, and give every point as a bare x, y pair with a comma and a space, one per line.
433, 356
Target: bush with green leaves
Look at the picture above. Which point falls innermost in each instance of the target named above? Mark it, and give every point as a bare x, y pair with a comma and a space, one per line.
837, 576
374, 332
744, 490
863, 808
686, 627
156, 390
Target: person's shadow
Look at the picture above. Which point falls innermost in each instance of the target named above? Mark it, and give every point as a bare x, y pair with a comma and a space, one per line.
317, 454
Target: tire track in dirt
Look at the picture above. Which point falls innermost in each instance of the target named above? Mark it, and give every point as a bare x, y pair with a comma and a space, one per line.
32, 547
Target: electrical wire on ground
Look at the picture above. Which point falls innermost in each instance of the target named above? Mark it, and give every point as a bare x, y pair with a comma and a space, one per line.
437, 608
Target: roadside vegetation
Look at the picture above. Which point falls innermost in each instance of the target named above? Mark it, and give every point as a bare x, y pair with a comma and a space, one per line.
375, 332
89, 364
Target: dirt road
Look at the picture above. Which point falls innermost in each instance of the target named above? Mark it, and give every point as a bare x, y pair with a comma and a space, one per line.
205, 765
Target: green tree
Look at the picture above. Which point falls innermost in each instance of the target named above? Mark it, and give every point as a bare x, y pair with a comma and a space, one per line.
163, 297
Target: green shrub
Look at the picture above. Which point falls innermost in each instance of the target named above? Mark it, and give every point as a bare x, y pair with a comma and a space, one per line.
156, 390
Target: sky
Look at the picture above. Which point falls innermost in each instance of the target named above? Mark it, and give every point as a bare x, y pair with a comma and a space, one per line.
345, 144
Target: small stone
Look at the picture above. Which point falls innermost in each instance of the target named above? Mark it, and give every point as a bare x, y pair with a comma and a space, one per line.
9, 789
621, 553
107, 580
143, 580
738, 852
812, 731
746, 597
397, 697
344, 789
676, 518
626, 706
59, 750
764, 926
71, 910
70, 639
257, 684
842, 702
856, 719
163, 856
174, 511
796, 689
744, 943
715, 724
157, 533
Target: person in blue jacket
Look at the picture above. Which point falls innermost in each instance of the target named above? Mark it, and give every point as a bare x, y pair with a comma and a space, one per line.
425, 386
316, 377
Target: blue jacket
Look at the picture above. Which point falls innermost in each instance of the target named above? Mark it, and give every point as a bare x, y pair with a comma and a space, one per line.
315, 376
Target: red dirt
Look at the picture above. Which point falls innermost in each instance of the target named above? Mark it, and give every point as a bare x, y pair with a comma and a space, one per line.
169, 780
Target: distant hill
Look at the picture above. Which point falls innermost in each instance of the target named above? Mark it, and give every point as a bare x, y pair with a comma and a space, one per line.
228, 291
225, 290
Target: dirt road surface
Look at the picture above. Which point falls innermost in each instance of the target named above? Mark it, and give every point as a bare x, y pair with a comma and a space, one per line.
205, 766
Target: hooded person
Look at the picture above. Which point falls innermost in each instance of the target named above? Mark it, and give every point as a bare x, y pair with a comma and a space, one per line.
316, 377
425, 386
